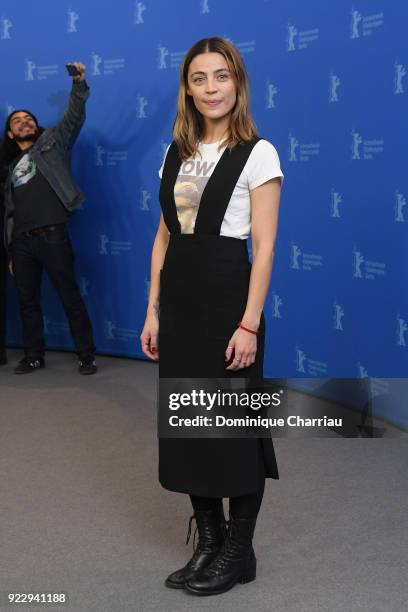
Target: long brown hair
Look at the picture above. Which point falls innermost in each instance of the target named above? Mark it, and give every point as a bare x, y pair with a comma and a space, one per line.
188, 126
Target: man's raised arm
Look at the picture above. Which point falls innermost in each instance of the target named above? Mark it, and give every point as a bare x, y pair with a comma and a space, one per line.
67, 129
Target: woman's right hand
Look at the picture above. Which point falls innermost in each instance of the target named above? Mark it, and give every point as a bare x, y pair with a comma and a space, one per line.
149, 335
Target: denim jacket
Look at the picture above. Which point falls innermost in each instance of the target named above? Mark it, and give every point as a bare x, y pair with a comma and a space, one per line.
52, 155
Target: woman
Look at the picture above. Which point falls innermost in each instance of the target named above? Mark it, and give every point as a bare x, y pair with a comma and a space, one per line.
219, 183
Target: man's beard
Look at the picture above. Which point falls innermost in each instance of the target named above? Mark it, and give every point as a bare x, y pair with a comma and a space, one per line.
27, 137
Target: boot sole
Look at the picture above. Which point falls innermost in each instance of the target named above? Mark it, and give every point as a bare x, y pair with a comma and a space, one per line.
28, 371
171, 585
248, 576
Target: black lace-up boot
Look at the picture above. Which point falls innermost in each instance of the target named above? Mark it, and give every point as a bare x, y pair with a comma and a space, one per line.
236, 561
211, 527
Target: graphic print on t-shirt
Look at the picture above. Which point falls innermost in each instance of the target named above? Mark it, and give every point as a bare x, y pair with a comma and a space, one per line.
24, 171
190, 184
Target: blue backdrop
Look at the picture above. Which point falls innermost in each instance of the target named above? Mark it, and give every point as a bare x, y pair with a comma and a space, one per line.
328, 89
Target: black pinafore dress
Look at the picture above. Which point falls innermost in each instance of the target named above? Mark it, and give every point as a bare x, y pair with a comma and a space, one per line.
203, 293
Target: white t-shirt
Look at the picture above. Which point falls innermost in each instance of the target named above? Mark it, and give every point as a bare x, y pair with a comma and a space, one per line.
262, 165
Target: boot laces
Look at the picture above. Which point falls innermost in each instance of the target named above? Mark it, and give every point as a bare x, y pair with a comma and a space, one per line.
189, 532
196, 545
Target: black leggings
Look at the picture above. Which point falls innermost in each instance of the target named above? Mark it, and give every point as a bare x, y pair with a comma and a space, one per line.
244, 506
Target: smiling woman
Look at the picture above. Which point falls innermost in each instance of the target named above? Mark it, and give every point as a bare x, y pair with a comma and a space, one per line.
214, 95
212, 89
220, 182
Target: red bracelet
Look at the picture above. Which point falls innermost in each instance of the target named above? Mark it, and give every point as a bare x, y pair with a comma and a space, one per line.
246, 329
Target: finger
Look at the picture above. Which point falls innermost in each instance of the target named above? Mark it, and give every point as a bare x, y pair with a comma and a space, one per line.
147, 351
154, 350
232, 365
228, 351
153, 346
235, 364
242, 359
246, 360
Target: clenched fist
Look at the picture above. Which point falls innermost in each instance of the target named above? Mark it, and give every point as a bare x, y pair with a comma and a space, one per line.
81, 67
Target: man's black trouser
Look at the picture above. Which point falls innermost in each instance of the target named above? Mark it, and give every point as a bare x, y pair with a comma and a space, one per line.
3, 281
48, 249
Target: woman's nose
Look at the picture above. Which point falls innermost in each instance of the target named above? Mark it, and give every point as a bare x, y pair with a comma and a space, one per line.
211, 86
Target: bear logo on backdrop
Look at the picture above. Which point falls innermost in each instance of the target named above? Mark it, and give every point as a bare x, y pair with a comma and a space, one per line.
145, 196
35, 72
141, 106
334, 83
400, 202
335, 200
29, 70
309, 261
103, 67
276, 304
72, 21
361, 26
399, 73
306, 365
303, 40
138, 13
338, 316
5, 28
113, 247
205, 9
271, 91
402, 327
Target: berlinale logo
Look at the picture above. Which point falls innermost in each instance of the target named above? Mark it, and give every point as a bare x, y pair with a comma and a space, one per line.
139, 10
5, 27
399, 73
400, 202
72, 19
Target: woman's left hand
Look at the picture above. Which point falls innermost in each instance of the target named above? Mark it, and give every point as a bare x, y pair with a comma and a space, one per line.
244, 345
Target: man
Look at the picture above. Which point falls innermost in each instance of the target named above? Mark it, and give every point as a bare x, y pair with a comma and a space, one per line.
3, 263
40, 194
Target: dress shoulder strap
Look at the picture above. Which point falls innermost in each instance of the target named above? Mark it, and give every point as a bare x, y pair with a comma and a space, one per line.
166, 194
219, 189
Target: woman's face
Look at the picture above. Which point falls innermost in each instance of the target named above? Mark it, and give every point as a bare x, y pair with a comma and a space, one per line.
211, 85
